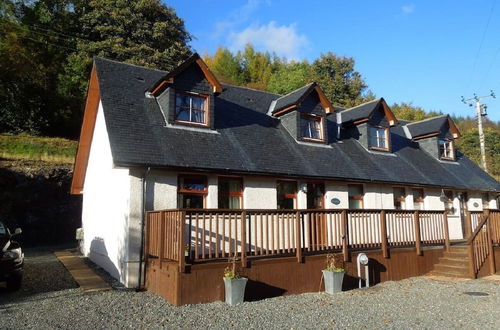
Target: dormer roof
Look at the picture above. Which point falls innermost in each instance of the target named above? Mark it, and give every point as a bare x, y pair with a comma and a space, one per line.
431, 127
161, 84
293, 100
363, 112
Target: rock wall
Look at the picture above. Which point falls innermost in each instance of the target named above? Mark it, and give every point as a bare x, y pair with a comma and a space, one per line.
34, 196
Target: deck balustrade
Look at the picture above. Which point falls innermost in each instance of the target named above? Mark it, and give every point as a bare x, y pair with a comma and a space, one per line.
200, 235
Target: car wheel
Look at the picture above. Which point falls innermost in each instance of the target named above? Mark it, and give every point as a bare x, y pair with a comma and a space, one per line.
14, 282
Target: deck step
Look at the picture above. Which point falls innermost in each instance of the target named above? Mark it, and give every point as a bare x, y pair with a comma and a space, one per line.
455, 255
453, 261
436, 273
451, 269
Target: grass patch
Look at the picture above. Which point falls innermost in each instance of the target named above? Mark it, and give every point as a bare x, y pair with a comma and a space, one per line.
23, 146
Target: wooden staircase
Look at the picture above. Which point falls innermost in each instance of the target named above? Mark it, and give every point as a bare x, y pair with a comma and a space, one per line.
453, 263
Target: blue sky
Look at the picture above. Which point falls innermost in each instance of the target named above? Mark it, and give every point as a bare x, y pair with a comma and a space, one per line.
426, 52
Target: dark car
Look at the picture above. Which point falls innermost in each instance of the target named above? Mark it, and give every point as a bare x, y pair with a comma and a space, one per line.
11, 258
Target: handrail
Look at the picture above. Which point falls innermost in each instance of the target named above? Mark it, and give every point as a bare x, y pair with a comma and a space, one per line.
478, 228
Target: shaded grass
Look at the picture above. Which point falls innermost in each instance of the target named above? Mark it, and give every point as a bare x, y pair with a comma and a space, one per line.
23, 146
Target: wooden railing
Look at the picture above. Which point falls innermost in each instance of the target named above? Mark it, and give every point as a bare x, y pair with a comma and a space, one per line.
481, 241
201, 235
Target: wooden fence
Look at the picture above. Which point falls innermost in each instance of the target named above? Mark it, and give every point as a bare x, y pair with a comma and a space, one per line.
187, 235
485, 234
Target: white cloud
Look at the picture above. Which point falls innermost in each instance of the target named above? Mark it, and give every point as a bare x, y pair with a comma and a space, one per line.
408, 9
281, 39
236, 17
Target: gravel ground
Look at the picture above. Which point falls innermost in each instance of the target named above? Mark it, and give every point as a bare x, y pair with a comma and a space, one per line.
51, 299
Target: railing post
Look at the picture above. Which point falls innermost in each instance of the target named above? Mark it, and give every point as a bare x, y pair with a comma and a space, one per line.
181, 219
345, 250
383, 233
298, 235
470, 251
446, 231
243, 239
468, 224
162, 237
491, 252
418, 240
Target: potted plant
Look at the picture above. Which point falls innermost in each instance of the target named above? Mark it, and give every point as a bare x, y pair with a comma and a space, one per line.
234, 285
334, 273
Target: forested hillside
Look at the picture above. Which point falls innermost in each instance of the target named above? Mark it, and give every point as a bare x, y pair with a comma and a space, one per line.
47, 46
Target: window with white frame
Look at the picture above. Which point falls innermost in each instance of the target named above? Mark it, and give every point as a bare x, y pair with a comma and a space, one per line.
378, 138
418, 199
191, 108
311, 127
446, 150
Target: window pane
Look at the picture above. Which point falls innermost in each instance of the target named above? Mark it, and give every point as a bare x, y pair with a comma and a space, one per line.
190, 201
286, 203
196, 183
182, 114
354, 203
310, 127
286, 192
229, 202
355, 190
287, 188
198, 103
190, 108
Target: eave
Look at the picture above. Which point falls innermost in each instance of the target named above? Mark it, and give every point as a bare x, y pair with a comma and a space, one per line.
170, 77
86, 133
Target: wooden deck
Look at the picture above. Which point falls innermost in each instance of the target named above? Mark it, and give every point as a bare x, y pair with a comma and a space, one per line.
283, 251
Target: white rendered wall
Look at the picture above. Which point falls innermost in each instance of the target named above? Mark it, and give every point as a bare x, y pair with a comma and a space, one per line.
259, 193
340, 192
105, 206
378, 197
475, 202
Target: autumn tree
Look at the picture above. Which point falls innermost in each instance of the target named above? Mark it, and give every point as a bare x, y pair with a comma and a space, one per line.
342, 84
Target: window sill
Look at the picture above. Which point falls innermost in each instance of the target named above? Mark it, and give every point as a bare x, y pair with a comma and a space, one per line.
305, 139
379, 149
190, 123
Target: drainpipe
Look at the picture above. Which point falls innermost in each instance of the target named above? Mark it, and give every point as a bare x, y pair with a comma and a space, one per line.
143, 217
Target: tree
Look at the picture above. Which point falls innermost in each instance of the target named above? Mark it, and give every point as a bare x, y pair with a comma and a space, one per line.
290, 77
225, 66
46, 51
340, 82
468, 144
145, 33
410, 112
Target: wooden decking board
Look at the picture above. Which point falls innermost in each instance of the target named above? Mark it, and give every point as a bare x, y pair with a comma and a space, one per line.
86, 278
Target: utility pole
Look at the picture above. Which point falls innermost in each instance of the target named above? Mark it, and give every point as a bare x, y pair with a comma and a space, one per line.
480, 113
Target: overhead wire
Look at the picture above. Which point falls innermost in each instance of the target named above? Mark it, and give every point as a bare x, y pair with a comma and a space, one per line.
481, 44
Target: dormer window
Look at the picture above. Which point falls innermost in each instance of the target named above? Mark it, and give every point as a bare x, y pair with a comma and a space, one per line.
311, 128
446, 150
191, 108
378, 138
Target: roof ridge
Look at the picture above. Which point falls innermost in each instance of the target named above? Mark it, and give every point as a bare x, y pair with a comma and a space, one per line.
297, 89
129, 64
427, 119
364, 103
252, 89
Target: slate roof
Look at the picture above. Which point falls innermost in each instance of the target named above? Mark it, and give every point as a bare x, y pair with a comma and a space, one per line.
293, 97
247, 140
427, 126
360, 112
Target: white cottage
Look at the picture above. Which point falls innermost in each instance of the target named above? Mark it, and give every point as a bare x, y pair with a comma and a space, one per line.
154, 140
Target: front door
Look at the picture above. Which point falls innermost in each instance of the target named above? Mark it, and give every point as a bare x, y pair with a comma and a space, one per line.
317, 221
463, 198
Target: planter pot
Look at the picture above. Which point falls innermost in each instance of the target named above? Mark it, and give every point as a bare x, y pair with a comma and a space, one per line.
333, 281
235, 290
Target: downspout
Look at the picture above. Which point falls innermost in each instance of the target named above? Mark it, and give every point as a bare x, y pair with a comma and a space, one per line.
140, 287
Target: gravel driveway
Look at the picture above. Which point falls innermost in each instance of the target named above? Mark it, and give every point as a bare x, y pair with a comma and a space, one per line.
51, 299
